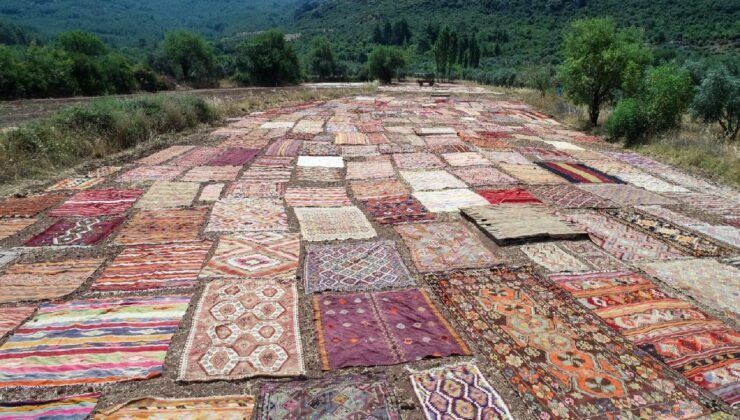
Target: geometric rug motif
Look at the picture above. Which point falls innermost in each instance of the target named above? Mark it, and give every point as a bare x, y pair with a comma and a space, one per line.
553, 351
509, 196
9, 227
650, 183
75, 407
483, 175
211, 173
417, 161
579, 173
449, 200
45, 280
28, 206
97, 203
12, 317
571, 256
230, 407
284, 147
76, 232
311, 174
727, 234
531, 174
248, 215
397, 210
92, 341
196, 157
568, 196
166, 194
150, 173
317, 148
444, 246
458, 392
75, 184
355, 267
512, 158
163, 226
317, 197
164, 155
431, 180
234, 156
256, 189
382, 328
154, 267
625, 195
365, 190
347, 397
465, 159
700, 347
335, 223
241, 329
255, 255
507, 223
370, 169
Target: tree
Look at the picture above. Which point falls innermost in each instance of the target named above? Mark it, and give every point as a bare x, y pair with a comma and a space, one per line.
538, 78
321, 58
79, 42
384, 62
718, 101
596, 57
668, 93
443, 52
268, 60
189, 57
401, 33
11, 74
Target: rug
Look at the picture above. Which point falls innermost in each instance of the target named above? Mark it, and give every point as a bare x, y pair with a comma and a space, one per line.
539, 153
45, 280
571, 257
196, 157
417, 161
309, 126
163, 226
103, 171
255, 255
700, 347
271, 125
163, 156
345, 397
154, 267
12, 317
449, 200
76, 407
382, 328
10, 227
267, 174
579, 173
92, 341
7, 257
284, 147
564, 145
568, 196
248, 215
350, 138
166, 194
76, 232
396, 210
432, 131
80, 183
211, 173
625, 195
355, 267
375, 189
335, 223
319, 148
256, 189
235, 407
729, 235
531, 174
558, 356
465, 159
650, 183
458, 392
509, 196
360, 151
234, 156
98, 203
211, 192
308, 174
370, 169
317, 197
511, 158
709, 282
431, 180
508, 223
243, 328
482, 175
321, 161
444, 246
28, 206
336, 126
150, 173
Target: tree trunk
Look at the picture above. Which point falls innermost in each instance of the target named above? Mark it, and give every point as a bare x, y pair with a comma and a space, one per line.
593, 114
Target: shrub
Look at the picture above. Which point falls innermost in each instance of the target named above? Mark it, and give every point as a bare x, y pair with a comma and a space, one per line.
627, 121
268, 60
321, 59
188, 57
718, 101
385, 62
668, 93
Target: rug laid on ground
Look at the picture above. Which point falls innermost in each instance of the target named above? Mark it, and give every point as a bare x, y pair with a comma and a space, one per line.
382, 328
255, 255
196, 157
625, 195
234, 407
729, 235
444, 246
511, 158
211, 173
234, 156
397, 210
557, 355
166, 194
651, 183
449, 200
355, 267
163, 226
465, 159
7, 257
571, 257
28, 206
92, 341
98, 203
507, 223
350, 138
13, 316
78, 183
345, 397
531, 174
10, 227
568, 196
284, 147
509, 196
319, 148
45, 280
311, 174
243, 328
163, 156
365, 190
431, 180
370, 169
321, 161
76, 232
579, 173
211, 192
700, 347
483, 175
317, 197
76, 407
417, 161
151, 267
256, 189
150, 173
248, 215
458, 392
333, 223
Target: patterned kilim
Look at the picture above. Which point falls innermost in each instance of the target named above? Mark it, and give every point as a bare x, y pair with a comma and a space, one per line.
335, 223
267, 174
243, 328
483, 175
196, 157
382, 328
317, 197
148, 267
163, 226
284, 147
76, 407
711, 283
7, 257
9, 227
234, 156
449, 200
708, 203
571, 257
309, 126
98, 203
321, 161
76, 232
531, 174
613, 166
444, 246
309, 174
358, 151
350, 138
364, 190
350, 397
511, 158
700, 347
277, 124
255, 255
236, 407
554, 352
465, 159
11, 317
355, 267
458, 392
82, 183
509, 196
417, 161
431, 180
625, 195
211, 173
435, 131
92, 341
579, 173
103, 171
211, 192
163, 156
45, 280
397, 210
28, 206
651, 183
319, 148
538, 153
727, 234
568, 196
150, 173
166, 194
256, 189
508, 223
248, 215
370, 169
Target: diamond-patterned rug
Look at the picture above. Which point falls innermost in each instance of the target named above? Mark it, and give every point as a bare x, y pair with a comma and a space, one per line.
364, 190
248, 215
397, 210
571, 257
256, 189
98, 203
431, 180
568, 196
625, 195
255, 255
509, 196
76, 232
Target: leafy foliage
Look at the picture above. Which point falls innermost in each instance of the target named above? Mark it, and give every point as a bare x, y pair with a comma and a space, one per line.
321, 59
268, 60
385, 62
188, 57
718, 101
627, 121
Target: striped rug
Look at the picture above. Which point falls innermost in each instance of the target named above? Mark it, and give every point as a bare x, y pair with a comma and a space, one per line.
77, 407
45, 280
98, 203
11, 317
317, 197
579, 173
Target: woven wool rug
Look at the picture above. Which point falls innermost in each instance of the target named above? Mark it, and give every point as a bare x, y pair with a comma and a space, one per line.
196, 157
360, 151
482, 175
579, 173
309, 126
28, 206
103, 171
271, 125
236, 407
626, 195
248, 215
319, 148
729, 235
163, 156
243, 328
211, 173
211, 192
150, 173
465, 159
365, 190
321, 161
272, 174
511, 158
396, 210
152, 267
256, 189
322, 175
335, 223
431, 180
568, 196
234, 156
163, 226
45, 280
10, 227
417, 161
75, 343
350, 138
12, 317
370, 169
317, 197
80, 183
284, 147
507, 223
355, 329
7, 257
509, 196
166, 194
76, 232
255, 255
98, 203
651, 183
449, 200
531, 174
75, 407
571, 257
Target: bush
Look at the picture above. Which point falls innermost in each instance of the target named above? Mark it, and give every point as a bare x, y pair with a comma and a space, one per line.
718, 101
268, 60
384, 62
668, 93
627, 121
188, 57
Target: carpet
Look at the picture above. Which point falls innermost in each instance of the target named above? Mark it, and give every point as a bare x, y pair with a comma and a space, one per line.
458, 392
45, 280
482, 175
196, 157
98, 203
248, 215
449, 200
241, 329
511, 158
345, 397
568, 196
271, 125
309, 174
163, 226
235, 407
28, 206
163, 156
355, 267
211, 173
571, 256
154, 267
211, 192
321, 161
396, 210
651, 183
579, 173
10, 227
370, 169
508, 223
350, 138
538, 153
560, 359
284, 147
382, 328
375, 189
444, 246
729, 235
531, 174
317, 197
625, 195
234, 156
150, 173
80, 183
319, 148
465, 159
256, 189
337, 127
360, 151
76, 232
102, 172
12, 317
509, 196
432, 131
417, 161
274, 174
335, 223
166, 194
431, 180
309, 126
7, 257
92, 341
255, 255
612, 167
75, 407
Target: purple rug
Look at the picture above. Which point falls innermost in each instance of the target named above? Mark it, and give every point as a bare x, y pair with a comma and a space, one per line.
234, 156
